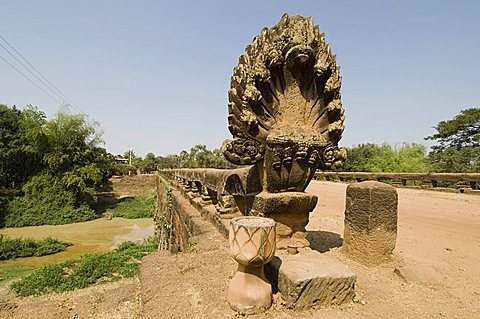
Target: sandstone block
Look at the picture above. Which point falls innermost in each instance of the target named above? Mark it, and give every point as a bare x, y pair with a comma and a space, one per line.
310, 279
290, 211
370, 221
417, 273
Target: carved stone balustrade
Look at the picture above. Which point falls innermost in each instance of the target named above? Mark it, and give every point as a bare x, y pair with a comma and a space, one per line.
464, 182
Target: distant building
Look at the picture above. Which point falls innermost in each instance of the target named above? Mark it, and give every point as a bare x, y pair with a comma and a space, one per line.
119, 159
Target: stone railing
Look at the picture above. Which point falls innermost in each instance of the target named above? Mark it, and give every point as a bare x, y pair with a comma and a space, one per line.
215, 193
465, 182
187, 198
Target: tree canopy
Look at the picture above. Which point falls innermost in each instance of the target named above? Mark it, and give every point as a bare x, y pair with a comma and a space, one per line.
198, 156
458, 143
55, 165
20, 132
386, 158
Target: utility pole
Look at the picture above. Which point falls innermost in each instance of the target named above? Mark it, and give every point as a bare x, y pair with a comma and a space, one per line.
130, 151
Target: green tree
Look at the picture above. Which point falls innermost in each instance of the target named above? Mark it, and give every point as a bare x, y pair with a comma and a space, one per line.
136, 160
458, 143
169, 161
71, 152
19, 133
9, 145
61, 167
359, 156
386, 158
198, 156
148, 164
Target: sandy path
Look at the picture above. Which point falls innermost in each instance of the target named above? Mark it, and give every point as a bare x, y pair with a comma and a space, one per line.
438, 234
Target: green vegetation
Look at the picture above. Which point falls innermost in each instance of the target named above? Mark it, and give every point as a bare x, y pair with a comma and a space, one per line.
7, 273
458, 148
89, 270
50, 169
141, 206
386, 158
198, 156
46, 201
18, 247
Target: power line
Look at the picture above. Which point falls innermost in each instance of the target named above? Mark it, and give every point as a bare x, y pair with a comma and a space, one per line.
50, 86
36, 70
26, 68
30, 80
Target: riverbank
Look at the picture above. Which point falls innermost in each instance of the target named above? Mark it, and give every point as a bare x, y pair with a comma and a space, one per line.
97, 235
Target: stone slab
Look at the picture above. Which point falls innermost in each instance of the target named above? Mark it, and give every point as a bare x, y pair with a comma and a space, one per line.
286, 203
417, 273
310, 279
290, 211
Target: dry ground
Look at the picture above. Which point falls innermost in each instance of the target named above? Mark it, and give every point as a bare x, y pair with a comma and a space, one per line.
110, 301
438, 238
133, 185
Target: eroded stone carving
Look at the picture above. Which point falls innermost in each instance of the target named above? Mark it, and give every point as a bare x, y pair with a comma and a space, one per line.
371, 217
286, 118
252, 245
285, 109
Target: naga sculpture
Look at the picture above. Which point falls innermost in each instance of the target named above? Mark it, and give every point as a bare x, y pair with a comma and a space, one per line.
285, 111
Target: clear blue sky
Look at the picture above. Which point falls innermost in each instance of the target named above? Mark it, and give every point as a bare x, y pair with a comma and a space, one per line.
155, 74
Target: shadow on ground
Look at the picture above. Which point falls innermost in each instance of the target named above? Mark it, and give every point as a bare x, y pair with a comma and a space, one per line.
323, 241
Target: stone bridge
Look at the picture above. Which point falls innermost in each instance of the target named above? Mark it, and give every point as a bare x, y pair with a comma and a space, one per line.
435, 258
319, 249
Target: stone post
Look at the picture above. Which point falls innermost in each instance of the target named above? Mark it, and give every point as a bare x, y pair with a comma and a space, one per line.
370, 222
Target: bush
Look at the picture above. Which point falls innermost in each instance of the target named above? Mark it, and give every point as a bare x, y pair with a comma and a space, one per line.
46, 202
141, 206
89, 270
387, 158
17, 247
124, 169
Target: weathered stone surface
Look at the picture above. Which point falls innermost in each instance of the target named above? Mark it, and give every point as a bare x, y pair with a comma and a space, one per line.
417, 273
285, 109
181, 214
252, 245
370, 221
289, 210
310, 279
286, 118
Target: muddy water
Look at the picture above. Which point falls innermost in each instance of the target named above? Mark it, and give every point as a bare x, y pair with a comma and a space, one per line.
93, 236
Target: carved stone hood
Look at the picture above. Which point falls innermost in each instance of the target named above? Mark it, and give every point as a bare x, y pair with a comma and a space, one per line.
285, 109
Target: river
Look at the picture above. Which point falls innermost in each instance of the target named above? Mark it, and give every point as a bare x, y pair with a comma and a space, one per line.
97, 235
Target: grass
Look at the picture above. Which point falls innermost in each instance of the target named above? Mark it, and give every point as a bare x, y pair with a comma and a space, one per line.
24, 247
140, 206
88, 270
7, 273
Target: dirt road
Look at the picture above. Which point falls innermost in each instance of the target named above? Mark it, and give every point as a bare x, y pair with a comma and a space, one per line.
438, 237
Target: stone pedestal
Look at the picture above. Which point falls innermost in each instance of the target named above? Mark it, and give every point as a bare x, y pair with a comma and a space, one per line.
290, 211
252, 245
370, 222
310, 279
